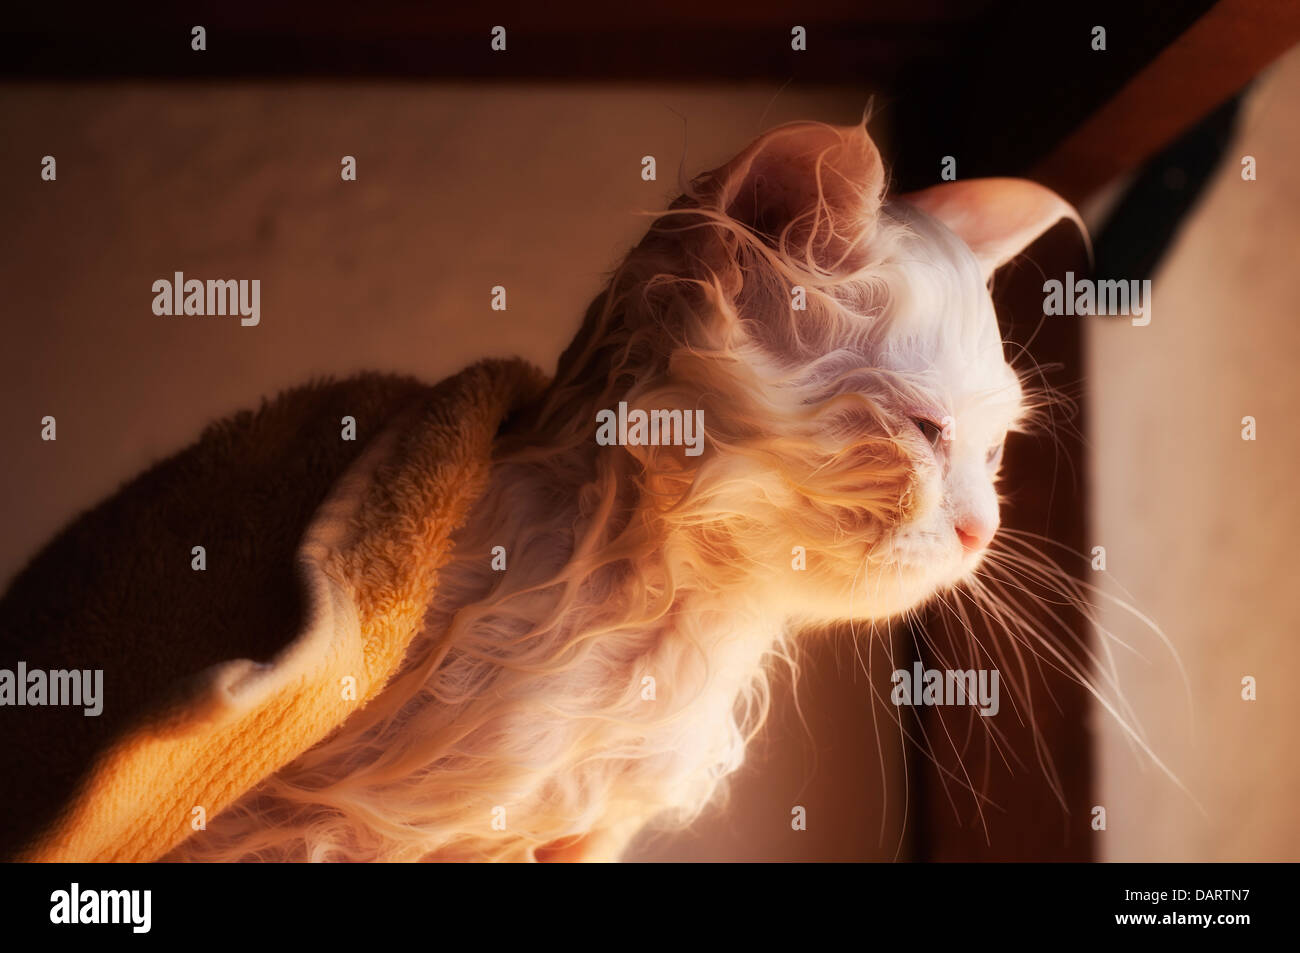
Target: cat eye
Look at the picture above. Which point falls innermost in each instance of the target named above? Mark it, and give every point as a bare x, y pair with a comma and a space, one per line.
995, 454
929, 429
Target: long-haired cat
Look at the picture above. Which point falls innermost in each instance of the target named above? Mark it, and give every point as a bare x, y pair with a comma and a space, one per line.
843, 349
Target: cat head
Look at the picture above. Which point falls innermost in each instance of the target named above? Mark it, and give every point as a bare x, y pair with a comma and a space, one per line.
843, 348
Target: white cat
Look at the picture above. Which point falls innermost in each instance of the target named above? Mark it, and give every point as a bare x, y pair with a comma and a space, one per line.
843, 355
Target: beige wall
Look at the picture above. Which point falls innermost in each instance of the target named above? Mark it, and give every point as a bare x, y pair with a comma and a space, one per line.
1202, 527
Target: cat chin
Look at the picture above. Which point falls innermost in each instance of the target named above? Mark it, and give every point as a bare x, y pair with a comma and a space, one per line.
916, 585
908, 588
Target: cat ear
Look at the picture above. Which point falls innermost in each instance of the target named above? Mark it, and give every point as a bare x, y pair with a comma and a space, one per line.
812, 190
997, 218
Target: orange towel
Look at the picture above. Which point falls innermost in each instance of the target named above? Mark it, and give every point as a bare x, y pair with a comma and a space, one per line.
322, 557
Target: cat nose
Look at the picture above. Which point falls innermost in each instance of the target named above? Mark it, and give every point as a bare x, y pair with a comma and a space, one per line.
975, 534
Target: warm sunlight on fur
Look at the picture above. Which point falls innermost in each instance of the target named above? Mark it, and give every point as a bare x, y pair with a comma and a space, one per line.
865, 427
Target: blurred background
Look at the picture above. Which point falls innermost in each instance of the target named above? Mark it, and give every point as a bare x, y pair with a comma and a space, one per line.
523, 169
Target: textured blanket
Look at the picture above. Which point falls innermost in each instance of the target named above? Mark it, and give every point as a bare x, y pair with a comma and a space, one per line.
320, 557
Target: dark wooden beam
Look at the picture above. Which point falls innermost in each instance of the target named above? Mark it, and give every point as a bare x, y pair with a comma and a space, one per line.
1202, 69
